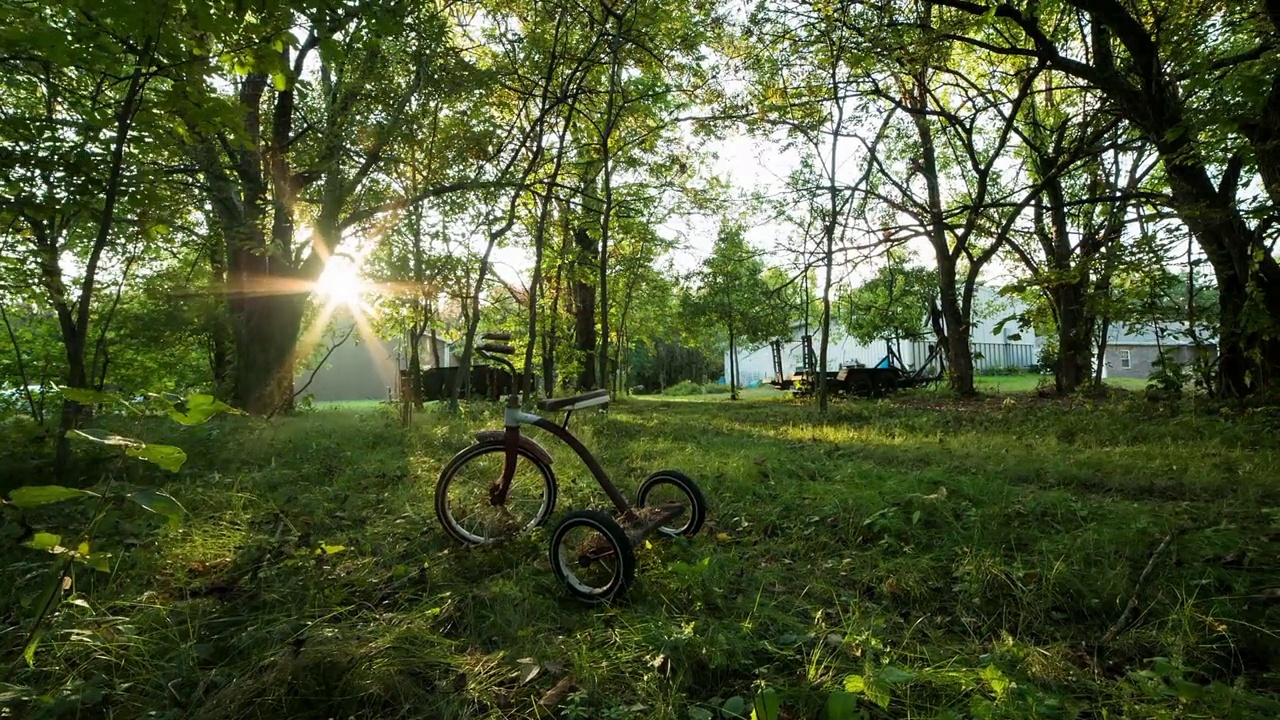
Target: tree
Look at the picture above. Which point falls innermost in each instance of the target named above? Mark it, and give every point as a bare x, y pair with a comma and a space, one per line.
1199, 81
305, 138
85, 137
729, 297
893, 305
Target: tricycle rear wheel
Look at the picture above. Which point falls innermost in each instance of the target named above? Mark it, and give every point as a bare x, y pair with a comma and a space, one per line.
592, 556
666, 486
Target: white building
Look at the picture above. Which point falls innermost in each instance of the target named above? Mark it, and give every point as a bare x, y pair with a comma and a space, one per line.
1013, 346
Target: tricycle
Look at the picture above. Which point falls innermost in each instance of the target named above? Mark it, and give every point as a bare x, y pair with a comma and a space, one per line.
503, 485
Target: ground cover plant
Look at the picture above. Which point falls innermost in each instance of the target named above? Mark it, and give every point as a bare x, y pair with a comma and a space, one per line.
920, 557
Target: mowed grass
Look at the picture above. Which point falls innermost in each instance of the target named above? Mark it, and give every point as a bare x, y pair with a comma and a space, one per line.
916, 558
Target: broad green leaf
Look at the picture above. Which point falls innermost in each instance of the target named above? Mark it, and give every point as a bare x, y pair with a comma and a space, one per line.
894, 676
734, 707
46, 541
997, 680
855, 684
842, 706
698, 713
330, 549
197, 409
36, 495
878, 692
160, 504
98, 561
87, 396
766, 706
167, 457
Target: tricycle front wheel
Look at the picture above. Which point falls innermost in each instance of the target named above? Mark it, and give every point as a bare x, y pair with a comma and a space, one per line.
465, 491
672, 486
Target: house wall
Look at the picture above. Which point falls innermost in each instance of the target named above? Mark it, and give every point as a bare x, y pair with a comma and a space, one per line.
360, 370
1142, 359
997, 350
757, 365
355, 371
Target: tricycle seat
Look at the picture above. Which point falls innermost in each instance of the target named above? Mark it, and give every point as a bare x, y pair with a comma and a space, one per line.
576, 402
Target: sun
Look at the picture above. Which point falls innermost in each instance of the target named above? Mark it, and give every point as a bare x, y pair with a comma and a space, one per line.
340, 283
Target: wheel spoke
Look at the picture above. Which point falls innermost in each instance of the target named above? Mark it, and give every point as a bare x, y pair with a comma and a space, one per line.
467, 505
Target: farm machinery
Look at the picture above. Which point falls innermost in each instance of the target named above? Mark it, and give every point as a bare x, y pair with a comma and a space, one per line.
854, 380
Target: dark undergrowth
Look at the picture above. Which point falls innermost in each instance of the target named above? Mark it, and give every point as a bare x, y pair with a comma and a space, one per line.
920, 558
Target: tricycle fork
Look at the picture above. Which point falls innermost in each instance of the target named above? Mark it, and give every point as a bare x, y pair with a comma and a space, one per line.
498, 491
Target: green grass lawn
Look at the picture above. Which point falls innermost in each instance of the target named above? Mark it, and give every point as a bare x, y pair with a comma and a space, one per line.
1030, 382
912, 558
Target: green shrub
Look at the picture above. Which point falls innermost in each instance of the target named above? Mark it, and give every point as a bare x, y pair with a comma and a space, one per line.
685, 387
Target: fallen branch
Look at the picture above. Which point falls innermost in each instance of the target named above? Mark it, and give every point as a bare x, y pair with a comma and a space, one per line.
1127, 616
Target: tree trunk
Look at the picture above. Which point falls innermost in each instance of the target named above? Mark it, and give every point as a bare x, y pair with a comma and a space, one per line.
265, 329
415, 365
1075, 332
733, 365
959, 354
585, 308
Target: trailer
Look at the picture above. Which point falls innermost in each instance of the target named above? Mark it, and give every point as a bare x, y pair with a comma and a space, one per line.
886, 377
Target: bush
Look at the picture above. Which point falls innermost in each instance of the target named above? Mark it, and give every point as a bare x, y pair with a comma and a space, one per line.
1168, 376
684, 387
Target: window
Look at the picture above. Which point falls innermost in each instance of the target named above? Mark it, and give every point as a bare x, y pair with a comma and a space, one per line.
1126, 362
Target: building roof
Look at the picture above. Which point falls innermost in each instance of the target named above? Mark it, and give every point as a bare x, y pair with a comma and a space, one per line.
1153, 334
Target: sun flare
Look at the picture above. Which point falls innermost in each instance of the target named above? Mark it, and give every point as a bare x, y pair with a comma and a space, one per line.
340, 283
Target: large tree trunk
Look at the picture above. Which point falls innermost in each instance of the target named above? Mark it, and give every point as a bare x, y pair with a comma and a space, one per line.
1075, 333
959, 353
266, 328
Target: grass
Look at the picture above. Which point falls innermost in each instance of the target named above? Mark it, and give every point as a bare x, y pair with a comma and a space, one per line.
1030, 382
919, 558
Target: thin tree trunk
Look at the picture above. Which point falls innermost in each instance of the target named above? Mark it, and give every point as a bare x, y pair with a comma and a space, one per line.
36, 413
732, 364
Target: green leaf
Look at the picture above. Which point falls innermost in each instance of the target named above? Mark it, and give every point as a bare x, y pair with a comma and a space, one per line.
167, 457
330, 549
894, 676
878, 692
855, 684
842, 706
766, 706
29, 654
734, 707
37, 495
996, 679
160, 504
87, 396
697, 713
99, 561
46, 541
280, 80
197, 409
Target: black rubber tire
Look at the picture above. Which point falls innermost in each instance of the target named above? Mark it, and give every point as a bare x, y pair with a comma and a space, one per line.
471, 453
697, 514
624, 572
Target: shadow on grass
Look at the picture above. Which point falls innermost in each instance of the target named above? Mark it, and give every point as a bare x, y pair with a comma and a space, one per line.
312, 581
